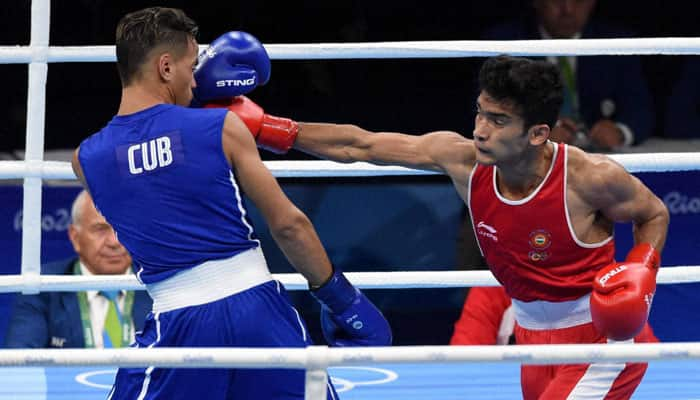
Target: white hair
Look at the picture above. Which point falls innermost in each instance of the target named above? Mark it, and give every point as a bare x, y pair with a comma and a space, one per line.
76, 211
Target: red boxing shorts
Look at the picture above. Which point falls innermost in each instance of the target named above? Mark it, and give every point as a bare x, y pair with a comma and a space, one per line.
609, 381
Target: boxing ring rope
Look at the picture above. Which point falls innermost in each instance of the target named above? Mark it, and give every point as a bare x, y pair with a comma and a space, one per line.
634, 163
323, 356
315, 359
383, 50
292, 281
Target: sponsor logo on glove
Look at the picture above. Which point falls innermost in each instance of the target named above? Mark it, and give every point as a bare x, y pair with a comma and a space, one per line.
611, 273
236, 82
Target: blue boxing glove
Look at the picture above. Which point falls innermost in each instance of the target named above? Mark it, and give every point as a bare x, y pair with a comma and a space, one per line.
234, 64
348, 318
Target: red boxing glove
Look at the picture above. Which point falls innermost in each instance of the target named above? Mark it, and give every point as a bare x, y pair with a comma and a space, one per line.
623, 293
271, 133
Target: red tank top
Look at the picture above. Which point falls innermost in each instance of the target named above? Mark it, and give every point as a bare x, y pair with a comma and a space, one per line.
530, 244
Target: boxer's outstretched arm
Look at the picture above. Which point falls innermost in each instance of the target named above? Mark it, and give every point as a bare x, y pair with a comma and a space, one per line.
439, 151
291, 229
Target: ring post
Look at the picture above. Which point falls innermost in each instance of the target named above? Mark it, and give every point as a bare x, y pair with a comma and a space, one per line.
36, 107
316, 373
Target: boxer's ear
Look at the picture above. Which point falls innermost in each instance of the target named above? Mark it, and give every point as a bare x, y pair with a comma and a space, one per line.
538, 134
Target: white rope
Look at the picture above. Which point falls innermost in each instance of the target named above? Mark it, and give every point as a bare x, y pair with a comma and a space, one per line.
281, 169
658, 162
188, 357
364, 280
36, 116
634, 163
379, 50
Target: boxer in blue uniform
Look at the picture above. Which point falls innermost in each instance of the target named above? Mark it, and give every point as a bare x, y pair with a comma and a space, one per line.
170, 180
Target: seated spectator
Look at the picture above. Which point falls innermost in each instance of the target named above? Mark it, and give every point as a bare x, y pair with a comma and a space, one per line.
607, 104
683, 110
81, 319
487, 318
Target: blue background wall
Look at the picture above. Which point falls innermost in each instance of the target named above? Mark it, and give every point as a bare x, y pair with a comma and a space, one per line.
400, 223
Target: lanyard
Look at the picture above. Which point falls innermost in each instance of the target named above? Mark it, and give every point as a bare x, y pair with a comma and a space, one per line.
85, 315
571, 92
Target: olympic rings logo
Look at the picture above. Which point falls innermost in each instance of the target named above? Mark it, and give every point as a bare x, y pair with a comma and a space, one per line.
350, 377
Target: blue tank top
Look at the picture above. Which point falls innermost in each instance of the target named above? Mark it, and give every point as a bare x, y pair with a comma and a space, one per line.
161, 179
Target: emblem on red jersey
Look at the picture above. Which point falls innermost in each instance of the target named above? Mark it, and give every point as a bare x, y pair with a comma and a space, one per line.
538, 255
540, 240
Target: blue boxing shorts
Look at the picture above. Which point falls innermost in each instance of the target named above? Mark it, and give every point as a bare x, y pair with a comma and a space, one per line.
259, 316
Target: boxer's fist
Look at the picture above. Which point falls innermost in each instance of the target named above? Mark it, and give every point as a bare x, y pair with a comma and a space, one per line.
348, 318
623, 293
271, 133
233, 64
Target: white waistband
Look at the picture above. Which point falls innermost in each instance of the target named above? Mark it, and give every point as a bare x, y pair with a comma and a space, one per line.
540, 315
210, 281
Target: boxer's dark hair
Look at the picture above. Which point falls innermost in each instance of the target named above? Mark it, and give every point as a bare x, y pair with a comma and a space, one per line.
141, 32
533, 88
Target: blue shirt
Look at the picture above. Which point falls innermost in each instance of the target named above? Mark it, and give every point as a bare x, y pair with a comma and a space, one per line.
161, 179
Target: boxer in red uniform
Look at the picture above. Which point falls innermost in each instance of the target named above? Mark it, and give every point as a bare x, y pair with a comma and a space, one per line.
543, 214
487, 318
